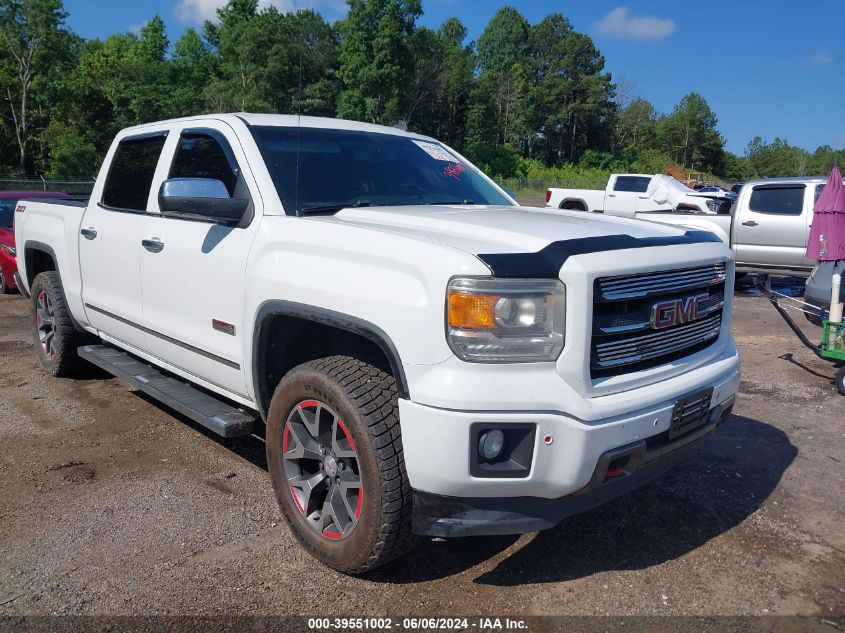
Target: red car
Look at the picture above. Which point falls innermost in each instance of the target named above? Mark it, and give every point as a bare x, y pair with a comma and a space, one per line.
8, 203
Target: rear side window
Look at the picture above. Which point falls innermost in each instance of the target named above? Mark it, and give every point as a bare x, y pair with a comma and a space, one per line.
635, 184
778, 200
201, 155
131, 173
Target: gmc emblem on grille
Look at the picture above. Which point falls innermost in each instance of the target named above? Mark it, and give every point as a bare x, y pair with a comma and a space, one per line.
677, 311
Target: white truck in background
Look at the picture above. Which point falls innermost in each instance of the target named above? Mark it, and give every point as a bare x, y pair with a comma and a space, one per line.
767, 225
428, 357
629, 194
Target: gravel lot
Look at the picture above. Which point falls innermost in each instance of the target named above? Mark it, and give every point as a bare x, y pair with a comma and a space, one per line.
113, 505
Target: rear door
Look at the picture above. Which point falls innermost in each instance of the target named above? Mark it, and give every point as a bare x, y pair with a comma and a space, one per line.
193, 286
110, 239
772, 227
625, 193
814, 191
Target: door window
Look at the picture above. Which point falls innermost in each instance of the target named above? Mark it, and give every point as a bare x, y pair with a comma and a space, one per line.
787, 200
131, 173
633, 184
201, 155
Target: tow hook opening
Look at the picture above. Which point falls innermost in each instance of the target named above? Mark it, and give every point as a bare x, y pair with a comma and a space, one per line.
616, 468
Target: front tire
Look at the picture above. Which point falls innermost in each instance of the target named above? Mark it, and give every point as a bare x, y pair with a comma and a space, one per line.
334, 451
53, 332
840, 381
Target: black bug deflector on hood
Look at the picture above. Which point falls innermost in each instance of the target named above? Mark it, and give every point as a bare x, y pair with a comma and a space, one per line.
547, 262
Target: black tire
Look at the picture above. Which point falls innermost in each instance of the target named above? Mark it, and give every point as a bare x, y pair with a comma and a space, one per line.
840, 381
55, 342
365, 398
5, 288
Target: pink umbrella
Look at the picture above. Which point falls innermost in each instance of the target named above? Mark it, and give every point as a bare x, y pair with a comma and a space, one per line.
827, 233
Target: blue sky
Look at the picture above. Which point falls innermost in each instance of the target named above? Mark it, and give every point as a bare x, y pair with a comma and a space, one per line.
767, 67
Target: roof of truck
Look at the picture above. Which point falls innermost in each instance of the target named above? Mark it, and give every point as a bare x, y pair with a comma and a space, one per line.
785, 180
289, 120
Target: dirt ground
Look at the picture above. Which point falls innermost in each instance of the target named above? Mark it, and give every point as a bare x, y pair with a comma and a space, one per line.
113, 505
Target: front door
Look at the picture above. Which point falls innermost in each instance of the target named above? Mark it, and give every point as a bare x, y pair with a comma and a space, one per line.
193, 271
625, 194
772, 228
110, 239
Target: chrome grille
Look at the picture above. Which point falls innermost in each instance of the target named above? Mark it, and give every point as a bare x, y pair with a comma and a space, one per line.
648, 346
653, 284
624, 336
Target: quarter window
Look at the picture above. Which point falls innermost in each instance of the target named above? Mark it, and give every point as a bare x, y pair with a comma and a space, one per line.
131, 173
200, 155
634, 184
778, 200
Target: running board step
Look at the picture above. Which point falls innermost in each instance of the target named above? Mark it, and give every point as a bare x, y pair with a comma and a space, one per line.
213, 414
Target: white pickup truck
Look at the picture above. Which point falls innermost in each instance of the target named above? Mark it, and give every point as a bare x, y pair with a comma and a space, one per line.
767, 226
428, 358
628, 194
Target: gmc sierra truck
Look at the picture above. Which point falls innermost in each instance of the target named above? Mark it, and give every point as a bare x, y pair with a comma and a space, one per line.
428, 357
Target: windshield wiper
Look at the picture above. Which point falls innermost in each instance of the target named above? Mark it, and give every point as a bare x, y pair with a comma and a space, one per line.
333, 208
447, 202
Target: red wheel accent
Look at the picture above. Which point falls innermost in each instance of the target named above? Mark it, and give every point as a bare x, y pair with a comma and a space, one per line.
296, 501
308, 404
332, 535
347, 434
360, 503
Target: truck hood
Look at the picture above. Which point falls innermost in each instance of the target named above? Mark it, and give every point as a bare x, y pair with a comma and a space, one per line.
498, 229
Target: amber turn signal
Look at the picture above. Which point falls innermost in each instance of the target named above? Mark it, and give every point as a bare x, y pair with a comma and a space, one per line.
472, 311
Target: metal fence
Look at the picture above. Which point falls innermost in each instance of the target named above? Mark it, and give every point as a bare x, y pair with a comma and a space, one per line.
81, 188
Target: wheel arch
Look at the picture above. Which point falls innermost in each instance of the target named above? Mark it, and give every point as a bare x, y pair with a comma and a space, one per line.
344, 331
38, 258
573, 204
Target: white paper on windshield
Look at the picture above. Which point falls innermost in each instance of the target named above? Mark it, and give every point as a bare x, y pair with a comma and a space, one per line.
435, 151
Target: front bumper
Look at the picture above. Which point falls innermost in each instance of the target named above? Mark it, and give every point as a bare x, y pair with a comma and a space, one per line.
567, 474
444, 516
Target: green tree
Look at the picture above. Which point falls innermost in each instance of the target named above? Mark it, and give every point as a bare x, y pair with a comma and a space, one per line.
689, 134
375, 59
636, 128
35, 48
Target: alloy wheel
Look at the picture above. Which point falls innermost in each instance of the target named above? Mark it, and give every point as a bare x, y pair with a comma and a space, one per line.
45, 323
322, 469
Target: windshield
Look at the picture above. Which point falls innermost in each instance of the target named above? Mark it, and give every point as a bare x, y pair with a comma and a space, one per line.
324, 170
7, 213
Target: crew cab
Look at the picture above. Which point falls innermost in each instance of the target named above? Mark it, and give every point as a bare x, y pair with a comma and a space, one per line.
422, 355
629, 194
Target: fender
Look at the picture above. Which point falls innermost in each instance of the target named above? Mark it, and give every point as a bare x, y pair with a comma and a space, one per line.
30, 246
339, 320
580, 201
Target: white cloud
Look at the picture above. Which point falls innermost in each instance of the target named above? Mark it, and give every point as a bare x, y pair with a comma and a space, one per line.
621, 24
821, 59
197, 11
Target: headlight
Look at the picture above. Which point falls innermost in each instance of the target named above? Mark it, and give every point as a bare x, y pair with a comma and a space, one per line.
505, 320
8, 249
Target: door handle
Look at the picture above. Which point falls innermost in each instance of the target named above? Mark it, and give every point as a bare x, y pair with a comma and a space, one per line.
643, 197
749, 223
89, 234
611, 195
153, 244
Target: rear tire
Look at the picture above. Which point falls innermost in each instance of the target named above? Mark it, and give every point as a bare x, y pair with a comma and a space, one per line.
53, 332
342, 415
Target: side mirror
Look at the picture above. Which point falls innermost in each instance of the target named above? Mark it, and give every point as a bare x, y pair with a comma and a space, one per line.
200, 199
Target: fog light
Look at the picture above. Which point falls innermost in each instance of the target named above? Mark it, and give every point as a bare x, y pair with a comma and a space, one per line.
490, 444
